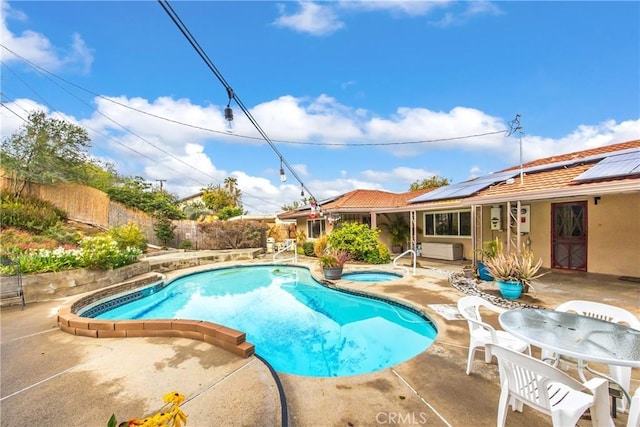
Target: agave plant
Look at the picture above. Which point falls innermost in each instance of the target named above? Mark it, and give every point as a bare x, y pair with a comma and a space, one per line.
515, 266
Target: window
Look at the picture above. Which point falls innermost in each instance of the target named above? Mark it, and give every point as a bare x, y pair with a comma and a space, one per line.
454, 223
315, 228
357, 218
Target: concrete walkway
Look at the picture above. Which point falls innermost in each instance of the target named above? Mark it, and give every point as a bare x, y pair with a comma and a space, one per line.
52, 378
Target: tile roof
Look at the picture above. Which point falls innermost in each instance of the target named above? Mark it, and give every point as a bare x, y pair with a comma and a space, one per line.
540, 179
360, 200
560, 177
581, 154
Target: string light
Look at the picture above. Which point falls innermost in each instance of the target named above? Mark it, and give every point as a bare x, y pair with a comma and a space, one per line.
283, 177
228, 113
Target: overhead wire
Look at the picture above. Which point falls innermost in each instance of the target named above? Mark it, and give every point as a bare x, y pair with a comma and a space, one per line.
236, 135
231, 93
45, 74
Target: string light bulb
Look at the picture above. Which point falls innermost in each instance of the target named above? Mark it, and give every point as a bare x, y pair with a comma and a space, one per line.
228, 113
283, 177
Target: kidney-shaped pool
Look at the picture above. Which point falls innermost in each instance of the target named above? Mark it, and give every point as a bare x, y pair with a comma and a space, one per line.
298, 325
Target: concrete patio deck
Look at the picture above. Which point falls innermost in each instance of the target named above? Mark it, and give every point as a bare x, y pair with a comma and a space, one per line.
52, 378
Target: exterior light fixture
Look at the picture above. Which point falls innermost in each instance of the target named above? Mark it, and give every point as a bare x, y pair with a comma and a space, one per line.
301, 191
228, 113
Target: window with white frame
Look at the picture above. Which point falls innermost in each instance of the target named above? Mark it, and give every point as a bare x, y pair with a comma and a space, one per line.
315, 228
449, 223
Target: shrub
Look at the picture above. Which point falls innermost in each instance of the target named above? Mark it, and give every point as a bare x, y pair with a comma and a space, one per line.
45, 260
381, 256
29, 213
103, 252
19, 241
358, 239
232, 234
307, 248
63, 234
129, 235
186, 244
164, 229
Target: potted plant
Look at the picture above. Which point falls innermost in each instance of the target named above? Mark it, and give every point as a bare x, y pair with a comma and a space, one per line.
490, 249
399, 232
469, 271
514, 271
332, 263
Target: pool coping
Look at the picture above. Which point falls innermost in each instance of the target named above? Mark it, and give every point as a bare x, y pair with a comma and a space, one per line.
71, 322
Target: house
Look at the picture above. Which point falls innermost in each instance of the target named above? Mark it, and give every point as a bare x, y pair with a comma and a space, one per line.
359, 206
578, 211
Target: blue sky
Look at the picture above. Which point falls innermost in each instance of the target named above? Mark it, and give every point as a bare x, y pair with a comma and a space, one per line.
330, 78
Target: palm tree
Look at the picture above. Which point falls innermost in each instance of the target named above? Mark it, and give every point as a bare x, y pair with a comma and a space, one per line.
231, 186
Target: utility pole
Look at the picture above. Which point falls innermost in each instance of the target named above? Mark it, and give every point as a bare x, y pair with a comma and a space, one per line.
161, 181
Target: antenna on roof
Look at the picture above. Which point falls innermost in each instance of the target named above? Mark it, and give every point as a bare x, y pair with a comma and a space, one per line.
515, 126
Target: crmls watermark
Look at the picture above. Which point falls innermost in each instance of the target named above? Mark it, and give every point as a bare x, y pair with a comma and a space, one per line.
401, 418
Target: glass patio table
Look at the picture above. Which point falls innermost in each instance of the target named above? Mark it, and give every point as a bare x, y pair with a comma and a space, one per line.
576, 336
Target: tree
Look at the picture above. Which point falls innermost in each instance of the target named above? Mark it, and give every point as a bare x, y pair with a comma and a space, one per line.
44, 151
218, 197
135, 192
98, 175
296, 204
229, 212
164, 229
231, 186
433, 182
195, 209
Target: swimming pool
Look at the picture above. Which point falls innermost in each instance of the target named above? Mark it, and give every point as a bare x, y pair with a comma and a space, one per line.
371, 276
299, 326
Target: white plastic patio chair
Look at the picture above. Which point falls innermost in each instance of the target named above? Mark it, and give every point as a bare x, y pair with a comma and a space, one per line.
528, 381
620, 375
481, 333
634, 410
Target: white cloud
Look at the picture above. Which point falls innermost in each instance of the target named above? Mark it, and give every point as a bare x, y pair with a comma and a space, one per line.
403, 174
37, 48
177, 153
583, 138
289, 118
474, 172
396, 7
421, 124
325, 18
311, 18
473, 9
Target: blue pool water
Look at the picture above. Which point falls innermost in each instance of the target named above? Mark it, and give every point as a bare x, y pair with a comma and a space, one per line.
298, 325
371, 276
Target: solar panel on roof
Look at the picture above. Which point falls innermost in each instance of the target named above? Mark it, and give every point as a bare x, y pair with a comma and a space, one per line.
468, 190
613, 166
464, 189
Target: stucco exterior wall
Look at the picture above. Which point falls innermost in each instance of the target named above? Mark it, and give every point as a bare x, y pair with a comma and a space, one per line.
613, 230
614, 235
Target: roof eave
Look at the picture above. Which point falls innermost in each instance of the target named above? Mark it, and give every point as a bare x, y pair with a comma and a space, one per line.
591, 189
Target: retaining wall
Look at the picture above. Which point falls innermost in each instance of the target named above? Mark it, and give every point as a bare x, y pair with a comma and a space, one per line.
49, 286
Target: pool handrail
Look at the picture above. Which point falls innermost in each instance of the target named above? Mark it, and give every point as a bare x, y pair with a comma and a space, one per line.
289, 244
413, 258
